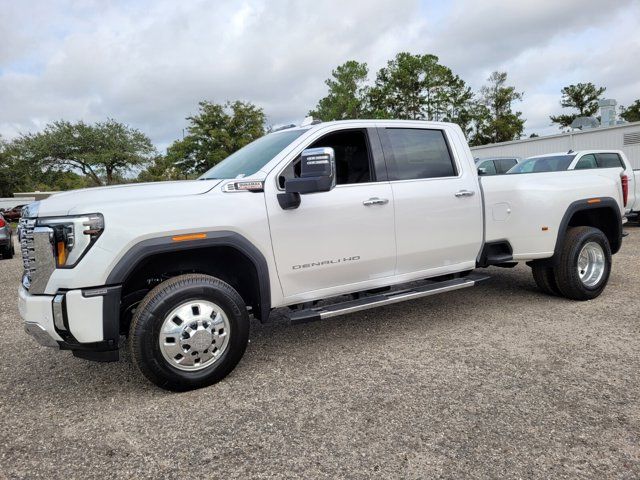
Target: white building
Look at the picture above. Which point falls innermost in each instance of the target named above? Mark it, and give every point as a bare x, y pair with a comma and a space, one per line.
624, 137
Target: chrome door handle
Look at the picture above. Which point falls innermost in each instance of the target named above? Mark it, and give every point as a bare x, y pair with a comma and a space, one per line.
375, 201
464, 193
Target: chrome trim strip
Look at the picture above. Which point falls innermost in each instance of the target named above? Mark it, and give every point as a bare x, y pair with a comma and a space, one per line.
58, 315
401, 297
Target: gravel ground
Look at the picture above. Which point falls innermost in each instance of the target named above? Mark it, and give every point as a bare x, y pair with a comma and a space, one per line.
498, 381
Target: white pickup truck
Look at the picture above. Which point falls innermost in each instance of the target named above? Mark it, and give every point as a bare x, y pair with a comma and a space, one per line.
325, 219
590, 160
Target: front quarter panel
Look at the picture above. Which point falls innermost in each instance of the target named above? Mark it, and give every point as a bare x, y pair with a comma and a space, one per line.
128, 224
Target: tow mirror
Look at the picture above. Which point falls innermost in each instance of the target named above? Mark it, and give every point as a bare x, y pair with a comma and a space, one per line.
317, 172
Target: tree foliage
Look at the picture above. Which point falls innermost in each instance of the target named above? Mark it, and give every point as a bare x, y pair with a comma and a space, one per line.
18, 174
215, 133
582, 97
631, 113
348, 93
418, 87
495, 119
104, 152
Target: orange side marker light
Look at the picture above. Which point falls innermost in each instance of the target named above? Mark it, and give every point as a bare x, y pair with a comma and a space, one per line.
189, 236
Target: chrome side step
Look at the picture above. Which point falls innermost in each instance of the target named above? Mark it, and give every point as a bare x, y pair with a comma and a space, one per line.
388, 298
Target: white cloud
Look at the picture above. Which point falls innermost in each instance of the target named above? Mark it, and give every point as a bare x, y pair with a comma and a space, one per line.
149, 63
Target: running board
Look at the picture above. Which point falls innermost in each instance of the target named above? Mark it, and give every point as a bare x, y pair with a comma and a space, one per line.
388, 298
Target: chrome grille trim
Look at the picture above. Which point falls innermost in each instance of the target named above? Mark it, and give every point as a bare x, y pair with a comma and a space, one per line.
37, 255
27, 247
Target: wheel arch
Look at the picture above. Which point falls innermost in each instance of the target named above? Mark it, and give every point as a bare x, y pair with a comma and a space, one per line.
224, 254
601, 213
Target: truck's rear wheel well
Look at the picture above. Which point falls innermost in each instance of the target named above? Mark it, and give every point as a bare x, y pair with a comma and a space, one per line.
224, 262
603, 219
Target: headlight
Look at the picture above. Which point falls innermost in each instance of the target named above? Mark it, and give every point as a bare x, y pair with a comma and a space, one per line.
72, 237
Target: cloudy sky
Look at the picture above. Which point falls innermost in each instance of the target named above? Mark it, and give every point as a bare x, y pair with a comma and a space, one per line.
148, 63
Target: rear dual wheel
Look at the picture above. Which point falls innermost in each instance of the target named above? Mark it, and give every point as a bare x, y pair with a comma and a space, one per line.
583, 268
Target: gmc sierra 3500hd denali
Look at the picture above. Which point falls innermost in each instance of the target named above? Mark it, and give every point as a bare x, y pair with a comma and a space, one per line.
326, 219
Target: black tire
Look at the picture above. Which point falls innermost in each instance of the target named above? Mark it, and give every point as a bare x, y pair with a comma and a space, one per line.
158, 303
545, 279
8, 251
567, 277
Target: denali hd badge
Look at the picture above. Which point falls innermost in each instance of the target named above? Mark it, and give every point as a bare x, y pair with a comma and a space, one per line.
326, 262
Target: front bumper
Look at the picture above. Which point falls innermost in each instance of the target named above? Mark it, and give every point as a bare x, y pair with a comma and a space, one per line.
84, 321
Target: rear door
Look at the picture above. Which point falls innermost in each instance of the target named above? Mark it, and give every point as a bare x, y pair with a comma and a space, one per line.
438, 208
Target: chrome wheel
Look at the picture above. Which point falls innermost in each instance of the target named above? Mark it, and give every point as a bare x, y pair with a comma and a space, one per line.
591, 264
194, 335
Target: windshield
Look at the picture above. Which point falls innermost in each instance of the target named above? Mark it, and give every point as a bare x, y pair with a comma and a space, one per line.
251, 158
554, 163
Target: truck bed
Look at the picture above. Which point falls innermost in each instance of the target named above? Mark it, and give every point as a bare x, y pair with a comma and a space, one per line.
527, 209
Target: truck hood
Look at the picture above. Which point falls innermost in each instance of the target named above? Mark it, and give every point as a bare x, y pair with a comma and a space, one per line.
73, 202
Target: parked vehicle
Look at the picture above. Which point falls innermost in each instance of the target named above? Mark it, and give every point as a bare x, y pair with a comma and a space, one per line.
496, 165
590, 160
13, 214
7, 250
350, 208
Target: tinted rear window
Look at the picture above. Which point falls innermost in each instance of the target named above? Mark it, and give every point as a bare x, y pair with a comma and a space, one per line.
609, 160
418, 153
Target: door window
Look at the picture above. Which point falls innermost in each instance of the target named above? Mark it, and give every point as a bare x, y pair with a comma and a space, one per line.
418, 153
487, 167
586, 162
505, 164
353, 157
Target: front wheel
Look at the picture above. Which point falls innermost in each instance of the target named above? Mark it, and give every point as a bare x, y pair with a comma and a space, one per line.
189, 332
585, 263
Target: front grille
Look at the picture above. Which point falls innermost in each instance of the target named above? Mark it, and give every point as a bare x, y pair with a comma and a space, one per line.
27, 246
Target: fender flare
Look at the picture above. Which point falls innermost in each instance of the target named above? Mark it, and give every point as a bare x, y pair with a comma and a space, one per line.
584, 205
153, 246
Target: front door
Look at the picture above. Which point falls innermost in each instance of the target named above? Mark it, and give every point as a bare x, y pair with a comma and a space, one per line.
335, 241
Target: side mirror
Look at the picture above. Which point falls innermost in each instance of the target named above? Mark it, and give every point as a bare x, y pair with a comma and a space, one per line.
317, 172
482, 171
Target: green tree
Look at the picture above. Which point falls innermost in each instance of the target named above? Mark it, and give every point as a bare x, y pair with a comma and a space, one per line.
410, 87
348, 93
18, 174
457, 104
162, 169
103, 152
496, 120
582, 97
12, 178
215, 133
631, 113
